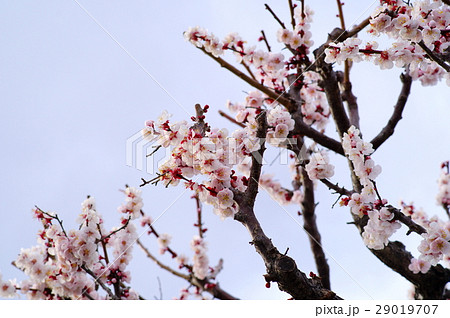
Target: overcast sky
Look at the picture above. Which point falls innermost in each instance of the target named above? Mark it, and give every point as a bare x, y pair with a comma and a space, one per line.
71, 96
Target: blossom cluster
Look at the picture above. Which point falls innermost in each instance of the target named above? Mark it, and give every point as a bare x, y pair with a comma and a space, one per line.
424, 23
133, 205
212, 154
300, 36
319, 166
273, 71
281, 195
68, 265
200, 258
381, 224
270, 66
280, 124
163, 242
314, 108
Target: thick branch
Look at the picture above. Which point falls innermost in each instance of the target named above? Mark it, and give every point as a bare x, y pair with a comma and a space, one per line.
395, 256
280, 268
303, 129
352, 104
388, 130
269, 92
331, 87
348, 96
430, 285
310, 226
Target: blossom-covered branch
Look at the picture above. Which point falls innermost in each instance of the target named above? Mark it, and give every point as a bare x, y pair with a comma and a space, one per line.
280, 268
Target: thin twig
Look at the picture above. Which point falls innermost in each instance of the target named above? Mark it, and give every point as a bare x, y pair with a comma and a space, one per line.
434, 57
275, 16
55, 217
291, 9
388, 130
269, 92
265, 40
160, 289
336, 188
163, 266
115, 231
249, 71
341, 14
86, 294
199, 216
223, 114
98, 280
102, 240
214, 289
357, 28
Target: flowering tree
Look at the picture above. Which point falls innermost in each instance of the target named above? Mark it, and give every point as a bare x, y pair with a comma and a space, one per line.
295, 99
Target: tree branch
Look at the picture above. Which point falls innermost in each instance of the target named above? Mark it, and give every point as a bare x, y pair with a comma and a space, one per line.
280, 268
275, 16
352, 104
336, 188
388, 130
430, 285
214, 289
269, 92
310, 226
401, 217
199, 223
357, 28
394, 255
331, 87
265, 41
303, 129
432, 56
223, 114
291, 10
97, 280
163, 266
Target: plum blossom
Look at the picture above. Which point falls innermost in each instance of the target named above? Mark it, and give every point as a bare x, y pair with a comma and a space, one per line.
133, 203
381, 224
225, 198
7, 288
163, 242
319, 166
419, 266
200, 258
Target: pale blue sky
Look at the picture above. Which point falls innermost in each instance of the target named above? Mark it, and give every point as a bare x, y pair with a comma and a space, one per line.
70, 97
